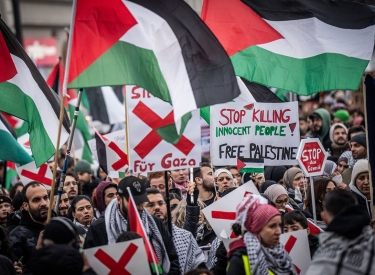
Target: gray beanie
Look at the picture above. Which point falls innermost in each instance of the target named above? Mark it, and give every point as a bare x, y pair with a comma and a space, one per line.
360, 139
82, 166
360, 167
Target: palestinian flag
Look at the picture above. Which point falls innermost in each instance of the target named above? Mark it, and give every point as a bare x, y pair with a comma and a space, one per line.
161, 46
19, 126
101, 151
106, 104
250, 92
10, 149
11, 175
81, 149
297, 45
136, 226
248, 165
25, 94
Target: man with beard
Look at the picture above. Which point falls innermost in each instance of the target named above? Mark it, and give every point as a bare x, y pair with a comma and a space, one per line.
321, 121
339, 137
64, 203
71, 186
24, 237
85, 177
106, 230
204, 180
190, 256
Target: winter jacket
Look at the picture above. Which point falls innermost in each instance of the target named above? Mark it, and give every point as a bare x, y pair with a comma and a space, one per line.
97, 236
207, 238
6, 266
313, 244
13, 221
222, 261
309, 213
24, 237
192, 218
347, 247
362, 202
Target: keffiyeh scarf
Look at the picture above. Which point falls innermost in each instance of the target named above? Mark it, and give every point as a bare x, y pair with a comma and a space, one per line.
188, 251
116, 224
262, 259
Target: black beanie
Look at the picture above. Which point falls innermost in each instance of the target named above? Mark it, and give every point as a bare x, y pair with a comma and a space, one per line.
360, 139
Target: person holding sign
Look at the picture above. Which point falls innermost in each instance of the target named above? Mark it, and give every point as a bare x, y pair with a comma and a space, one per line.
259, 251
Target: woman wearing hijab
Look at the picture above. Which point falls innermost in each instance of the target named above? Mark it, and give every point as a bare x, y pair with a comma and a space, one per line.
259, 251
293, 180
279, 197
224, 179
360, 185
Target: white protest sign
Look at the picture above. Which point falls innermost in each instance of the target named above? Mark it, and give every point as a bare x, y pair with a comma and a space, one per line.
148, 150
117, 159
118, 136
297, 245
222, 213
255, 130
120, 258
29, 172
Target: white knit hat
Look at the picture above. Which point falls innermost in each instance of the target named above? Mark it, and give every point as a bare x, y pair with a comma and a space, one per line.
333, 127
360, 167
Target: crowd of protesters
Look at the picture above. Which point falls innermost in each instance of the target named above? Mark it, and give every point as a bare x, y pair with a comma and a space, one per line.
93, 211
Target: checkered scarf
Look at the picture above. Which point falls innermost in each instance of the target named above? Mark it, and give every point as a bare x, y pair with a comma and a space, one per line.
188, 251
116, 224
262, 259
212, 259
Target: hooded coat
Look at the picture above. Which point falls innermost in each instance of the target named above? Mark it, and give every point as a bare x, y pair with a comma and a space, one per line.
323, 135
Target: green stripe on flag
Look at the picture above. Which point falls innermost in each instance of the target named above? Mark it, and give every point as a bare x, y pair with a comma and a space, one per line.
270, 69
11, 173
153, 269
252, 170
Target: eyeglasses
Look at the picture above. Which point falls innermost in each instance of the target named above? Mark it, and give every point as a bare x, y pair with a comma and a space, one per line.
282, 201
222, 179
67, 183
152, 204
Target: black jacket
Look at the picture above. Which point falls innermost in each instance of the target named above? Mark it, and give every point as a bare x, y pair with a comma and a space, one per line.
97, 236
362, 203
192, 218
24, 237
313, 244
236, 263
13, 221
221, 263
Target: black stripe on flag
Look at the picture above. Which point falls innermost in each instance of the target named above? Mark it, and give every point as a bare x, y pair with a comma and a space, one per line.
9, 127
251, 160
370, 110
101, 152
98, 108
16, 49
341, 14
261, 93
209, 68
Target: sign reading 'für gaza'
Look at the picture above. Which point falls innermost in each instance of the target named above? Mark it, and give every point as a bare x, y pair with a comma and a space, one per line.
255, 130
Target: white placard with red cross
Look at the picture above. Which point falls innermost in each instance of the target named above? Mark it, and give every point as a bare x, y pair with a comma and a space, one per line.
125, 258
29, 172
117, 137
297, 245
148, 151
117, 159
268, 131
222, 213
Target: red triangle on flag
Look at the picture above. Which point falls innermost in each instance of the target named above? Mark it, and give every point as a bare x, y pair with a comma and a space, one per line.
105, 22
7, 69
245, 26
240, 164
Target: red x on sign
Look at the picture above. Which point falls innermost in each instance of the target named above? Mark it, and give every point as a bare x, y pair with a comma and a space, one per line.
123, 157
154, 121
117, 268
289, 246
40, 176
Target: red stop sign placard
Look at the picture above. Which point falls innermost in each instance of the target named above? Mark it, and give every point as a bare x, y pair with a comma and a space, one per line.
311, 157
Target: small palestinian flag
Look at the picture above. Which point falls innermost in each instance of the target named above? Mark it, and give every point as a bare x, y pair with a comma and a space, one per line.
25, 94
297, 45
248, 165
161, 45
101, 151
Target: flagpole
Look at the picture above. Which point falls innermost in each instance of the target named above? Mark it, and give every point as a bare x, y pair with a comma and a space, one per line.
144, 231
69, 49
68, 150
167, 201
56, 159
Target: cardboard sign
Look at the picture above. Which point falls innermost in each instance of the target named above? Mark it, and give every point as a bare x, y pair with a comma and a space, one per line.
125, 258
222, 213
255, 130
148, 151
297, 245
29, 172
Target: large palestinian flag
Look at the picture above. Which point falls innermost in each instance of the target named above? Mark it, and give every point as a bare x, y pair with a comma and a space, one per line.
160, 45
25, 94
297, 45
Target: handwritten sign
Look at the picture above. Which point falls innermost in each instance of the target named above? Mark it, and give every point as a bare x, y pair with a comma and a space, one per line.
255, 130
